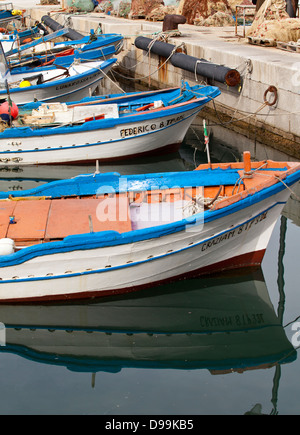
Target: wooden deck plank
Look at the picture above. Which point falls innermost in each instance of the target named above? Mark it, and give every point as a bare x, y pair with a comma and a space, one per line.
6, 210
31, 218
71, 216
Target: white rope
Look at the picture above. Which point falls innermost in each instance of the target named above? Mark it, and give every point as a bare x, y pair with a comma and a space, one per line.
238, 182
154, 72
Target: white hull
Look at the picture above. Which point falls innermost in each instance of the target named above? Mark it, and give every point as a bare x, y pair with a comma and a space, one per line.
97, 144
239, 238
83, 80
7, 43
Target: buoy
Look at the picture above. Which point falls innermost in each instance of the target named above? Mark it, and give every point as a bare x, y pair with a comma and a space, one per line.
8, 111
16, 12
24, 84
7, 246
9, 108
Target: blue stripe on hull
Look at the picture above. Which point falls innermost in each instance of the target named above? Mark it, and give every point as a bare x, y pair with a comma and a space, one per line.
137, 263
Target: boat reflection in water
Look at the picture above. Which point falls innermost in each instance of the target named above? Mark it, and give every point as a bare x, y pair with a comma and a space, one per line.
222, 324
28, 177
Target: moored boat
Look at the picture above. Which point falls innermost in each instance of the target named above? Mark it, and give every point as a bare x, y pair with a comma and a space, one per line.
48, 44
102, 234
8, 13
63, 58
54, 83
104, 128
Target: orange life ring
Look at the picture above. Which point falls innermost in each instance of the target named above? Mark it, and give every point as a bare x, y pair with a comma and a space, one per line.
272, 90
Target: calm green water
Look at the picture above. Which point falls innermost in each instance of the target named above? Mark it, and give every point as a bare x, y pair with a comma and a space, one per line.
197, 347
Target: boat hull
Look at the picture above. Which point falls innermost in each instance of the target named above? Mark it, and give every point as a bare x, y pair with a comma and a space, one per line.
164, 134
236, 240
82, 82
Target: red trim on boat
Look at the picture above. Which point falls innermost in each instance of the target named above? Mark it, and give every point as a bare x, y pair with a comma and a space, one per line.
245, 261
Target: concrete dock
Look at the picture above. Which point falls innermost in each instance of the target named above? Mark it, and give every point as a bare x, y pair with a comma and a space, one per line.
240, 108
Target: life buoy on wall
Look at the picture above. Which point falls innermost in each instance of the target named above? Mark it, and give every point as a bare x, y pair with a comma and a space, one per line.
272, 90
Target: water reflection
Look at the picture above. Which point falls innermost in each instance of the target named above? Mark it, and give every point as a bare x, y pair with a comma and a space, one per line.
27, 177
222, 324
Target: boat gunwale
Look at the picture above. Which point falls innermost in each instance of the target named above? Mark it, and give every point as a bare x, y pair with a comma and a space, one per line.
106, 123
94, 126
53, 82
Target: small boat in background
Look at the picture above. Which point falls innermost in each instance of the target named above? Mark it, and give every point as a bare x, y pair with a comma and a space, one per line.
51, 83
63, 58
8, 13
49, 45
105, 234
104, 128
12, 38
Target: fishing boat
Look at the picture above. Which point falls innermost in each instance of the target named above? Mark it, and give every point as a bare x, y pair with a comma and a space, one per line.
93, 41
8, 13
48, 44
62, 58
11, 39
105, 234
53, 82
104, 128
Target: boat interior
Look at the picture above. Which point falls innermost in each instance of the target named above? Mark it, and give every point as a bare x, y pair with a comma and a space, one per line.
31, 220
61, 113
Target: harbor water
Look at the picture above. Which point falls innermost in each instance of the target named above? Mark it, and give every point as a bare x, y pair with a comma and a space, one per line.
205, 346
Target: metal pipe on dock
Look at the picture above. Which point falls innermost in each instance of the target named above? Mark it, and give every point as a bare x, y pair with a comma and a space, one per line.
54, 25
220, 73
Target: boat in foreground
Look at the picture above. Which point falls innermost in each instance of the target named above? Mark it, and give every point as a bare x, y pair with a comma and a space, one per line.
105, 128
102, 234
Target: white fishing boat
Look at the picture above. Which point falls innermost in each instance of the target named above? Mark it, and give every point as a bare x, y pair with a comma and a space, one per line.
52, 83
104, 234
103, 128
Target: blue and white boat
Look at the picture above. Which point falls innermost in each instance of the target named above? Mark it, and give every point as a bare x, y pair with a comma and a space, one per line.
105, 128
94, 41
8, 13
62, 58
52, 82
48, 44
104, 234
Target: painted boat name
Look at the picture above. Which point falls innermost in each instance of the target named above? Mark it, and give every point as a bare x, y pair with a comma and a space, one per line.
148, 127
77, 82
235, 232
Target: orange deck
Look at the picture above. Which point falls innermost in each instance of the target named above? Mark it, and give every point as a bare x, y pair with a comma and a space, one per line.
44, 219
38, 220
6, 210
31, 219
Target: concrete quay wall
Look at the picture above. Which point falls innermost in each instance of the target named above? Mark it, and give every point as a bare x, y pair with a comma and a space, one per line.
240, 108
